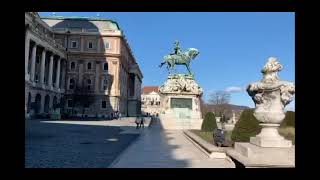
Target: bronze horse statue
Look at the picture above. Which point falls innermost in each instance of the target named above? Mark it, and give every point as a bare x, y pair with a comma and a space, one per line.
183, 58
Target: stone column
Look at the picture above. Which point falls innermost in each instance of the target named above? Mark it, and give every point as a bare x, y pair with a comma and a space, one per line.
97, 77
63, 75
43, 98
98, 44
50, 72
33, 62
81, 70
42, 71
26, 53
58, 74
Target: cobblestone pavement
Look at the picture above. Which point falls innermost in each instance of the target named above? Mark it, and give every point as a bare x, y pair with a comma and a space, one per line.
158, 148
76, 144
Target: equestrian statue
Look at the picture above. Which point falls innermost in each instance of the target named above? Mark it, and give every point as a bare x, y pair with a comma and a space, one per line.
179, 58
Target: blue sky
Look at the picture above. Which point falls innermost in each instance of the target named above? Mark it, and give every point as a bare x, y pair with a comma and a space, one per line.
233, 46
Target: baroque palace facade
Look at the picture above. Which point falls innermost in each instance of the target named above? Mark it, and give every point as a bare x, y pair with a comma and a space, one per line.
150, 100
65, 55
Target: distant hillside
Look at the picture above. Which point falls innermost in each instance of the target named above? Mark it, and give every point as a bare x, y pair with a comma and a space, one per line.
231, 107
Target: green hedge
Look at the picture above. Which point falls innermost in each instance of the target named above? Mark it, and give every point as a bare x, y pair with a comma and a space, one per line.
209, 123
289, 120
247, 126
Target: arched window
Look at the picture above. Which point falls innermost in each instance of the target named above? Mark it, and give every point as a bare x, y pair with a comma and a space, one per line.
71, 84
105, 66
89, 66
73, 65
46, 103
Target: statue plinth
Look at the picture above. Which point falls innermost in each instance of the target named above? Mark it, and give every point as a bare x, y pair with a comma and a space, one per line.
270, 96
180, 103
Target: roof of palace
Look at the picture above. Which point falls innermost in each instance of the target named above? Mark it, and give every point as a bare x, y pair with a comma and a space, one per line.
149, 89
77, 21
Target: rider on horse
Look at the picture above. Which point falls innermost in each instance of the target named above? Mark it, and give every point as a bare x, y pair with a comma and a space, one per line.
177, 49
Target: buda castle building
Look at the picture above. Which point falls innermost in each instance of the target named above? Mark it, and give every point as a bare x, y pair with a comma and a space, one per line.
68, 56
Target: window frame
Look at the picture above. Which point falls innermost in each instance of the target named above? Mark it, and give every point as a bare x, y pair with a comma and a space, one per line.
88, 45
105, 85
74, 65
90, 66
72, 44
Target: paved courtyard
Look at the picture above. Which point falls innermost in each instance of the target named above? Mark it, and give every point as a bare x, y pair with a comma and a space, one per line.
117, 144
76, 144
158, 148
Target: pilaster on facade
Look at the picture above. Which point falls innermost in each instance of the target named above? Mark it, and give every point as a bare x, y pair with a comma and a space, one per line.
33, 62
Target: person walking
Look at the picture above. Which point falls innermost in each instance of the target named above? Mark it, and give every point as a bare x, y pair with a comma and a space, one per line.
142, 122
137, 122
119, 116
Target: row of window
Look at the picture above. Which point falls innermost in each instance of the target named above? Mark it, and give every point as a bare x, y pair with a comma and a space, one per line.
72, 84
74, 44
103, 104
151, 103
89, 66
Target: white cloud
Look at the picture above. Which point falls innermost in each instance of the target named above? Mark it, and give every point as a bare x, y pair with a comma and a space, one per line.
235, 89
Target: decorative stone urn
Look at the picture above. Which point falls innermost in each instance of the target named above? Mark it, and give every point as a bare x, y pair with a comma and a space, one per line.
270, 96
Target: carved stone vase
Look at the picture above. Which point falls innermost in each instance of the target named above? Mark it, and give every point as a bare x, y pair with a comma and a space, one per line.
270, 96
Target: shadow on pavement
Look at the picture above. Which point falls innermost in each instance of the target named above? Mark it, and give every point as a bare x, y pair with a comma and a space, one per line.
57, 145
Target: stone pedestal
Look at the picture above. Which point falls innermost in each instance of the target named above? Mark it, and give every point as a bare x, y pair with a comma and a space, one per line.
251, 155
180, 103
269, 137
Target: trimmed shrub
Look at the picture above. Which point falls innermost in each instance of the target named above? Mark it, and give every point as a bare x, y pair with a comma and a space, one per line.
289, 120
247, 126
209, 123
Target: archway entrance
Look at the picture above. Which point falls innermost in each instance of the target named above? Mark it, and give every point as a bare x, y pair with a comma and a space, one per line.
37, 104
54, 104
46, 104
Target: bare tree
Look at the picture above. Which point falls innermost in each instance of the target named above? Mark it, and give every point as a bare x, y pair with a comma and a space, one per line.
203, 107
220, 100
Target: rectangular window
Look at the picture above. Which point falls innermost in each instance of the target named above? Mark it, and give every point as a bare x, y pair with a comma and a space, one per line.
89, 87
69, 102
90, 45
104, 104
105, 85
107, 45
73, 44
